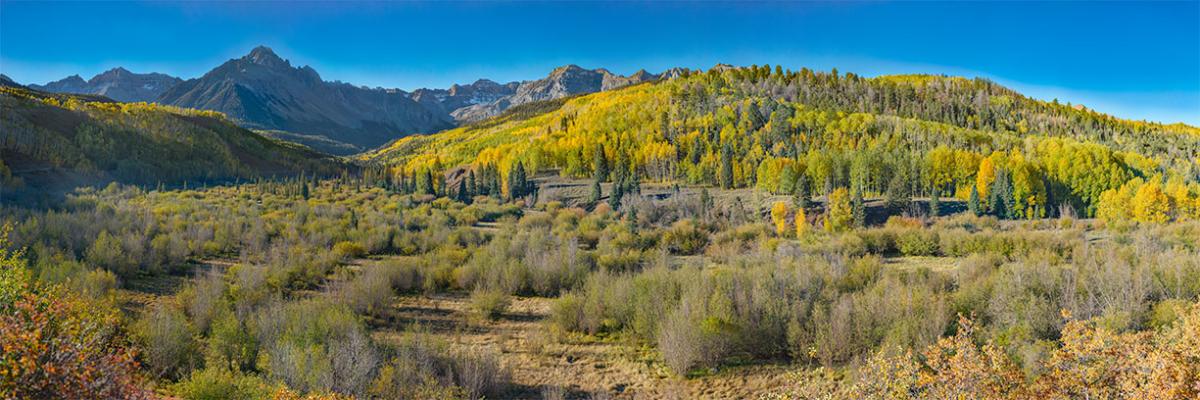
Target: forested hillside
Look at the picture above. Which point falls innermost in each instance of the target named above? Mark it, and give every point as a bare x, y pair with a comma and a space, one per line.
52, 143
808, 133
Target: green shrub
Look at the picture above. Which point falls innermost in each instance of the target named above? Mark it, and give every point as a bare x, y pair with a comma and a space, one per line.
215, 383
918, 242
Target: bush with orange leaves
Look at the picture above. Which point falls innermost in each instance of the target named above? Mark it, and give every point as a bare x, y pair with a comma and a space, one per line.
1091, 362
56, 347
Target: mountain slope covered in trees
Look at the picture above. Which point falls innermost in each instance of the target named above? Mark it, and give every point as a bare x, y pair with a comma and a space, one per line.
52, 143
808, 133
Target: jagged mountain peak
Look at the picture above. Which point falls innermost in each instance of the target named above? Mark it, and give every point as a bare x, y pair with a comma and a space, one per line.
263, 55
263, 91
117, 83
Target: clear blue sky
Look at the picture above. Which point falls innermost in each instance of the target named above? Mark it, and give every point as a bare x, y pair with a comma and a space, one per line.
1135, 60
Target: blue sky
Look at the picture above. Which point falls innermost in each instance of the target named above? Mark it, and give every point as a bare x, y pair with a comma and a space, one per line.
1135, 60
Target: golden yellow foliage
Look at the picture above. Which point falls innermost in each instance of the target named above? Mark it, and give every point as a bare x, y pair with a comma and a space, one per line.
779, 217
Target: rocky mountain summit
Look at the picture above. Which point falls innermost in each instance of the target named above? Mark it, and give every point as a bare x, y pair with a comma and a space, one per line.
117, 84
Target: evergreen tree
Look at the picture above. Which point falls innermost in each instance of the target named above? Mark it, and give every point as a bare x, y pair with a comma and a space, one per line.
600, 167
463, 195
597, 192
859, 208
898, 194
304, 190
427, 182
472, 185
802, 196
518, 182
1000, 196
618, 191
973, 202
726, 175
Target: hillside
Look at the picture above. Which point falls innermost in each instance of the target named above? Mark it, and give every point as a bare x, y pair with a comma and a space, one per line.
53, 143
893, 136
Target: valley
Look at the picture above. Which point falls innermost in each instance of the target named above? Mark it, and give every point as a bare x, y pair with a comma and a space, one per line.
736, 232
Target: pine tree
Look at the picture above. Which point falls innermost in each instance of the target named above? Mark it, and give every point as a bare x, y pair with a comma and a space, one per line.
618, 191
973, 201
597, 192
1000, 196
518, 183
472, 185
802, 196
427, 182
600, 169
463, 195
859, 209
726, 175
898, 193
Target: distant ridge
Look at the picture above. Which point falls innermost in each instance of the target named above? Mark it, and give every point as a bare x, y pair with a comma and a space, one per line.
117, 84
264, 91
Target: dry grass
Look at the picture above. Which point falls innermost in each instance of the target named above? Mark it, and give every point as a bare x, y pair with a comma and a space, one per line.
577, 366
913, 263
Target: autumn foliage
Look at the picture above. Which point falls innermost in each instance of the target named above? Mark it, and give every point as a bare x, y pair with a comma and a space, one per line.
1090, 362
56, 347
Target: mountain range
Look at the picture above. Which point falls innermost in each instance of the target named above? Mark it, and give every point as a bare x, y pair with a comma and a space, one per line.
265, 92
118, 84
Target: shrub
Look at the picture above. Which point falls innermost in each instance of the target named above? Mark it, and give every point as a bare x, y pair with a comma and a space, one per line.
917, 242
349, 250
566, 312
685, 238
216, 383
369, 292
57, 347
165, 337
479, 373
489, 304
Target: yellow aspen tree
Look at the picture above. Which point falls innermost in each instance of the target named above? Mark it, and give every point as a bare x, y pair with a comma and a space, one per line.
838, 213
985, 177
801, 223
779, 217
1151, 204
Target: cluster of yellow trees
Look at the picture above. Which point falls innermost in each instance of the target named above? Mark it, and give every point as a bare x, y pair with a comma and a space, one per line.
1150, 200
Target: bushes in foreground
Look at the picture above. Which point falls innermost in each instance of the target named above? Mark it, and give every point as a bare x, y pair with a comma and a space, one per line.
1089, 361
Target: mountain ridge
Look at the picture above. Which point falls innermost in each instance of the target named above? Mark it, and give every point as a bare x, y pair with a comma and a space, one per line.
117, 83
264, 91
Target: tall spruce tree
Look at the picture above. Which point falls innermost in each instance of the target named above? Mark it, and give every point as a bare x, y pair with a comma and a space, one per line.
973, 202
858, 208
726, 173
